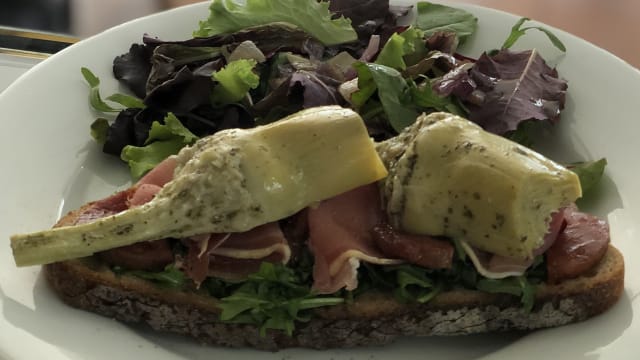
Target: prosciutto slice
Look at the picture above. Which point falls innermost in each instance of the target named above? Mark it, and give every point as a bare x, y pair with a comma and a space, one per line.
143, 191
575, 243
149, 185
108, 206
579, 247
230, 256
146, 255
234, 256
498, 267
422, 250
340, 237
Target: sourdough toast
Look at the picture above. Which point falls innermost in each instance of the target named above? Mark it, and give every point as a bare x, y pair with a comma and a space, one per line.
372, 319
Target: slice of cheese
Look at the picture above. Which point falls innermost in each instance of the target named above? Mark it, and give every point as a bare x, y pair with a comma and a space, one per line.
449, 177
232, 181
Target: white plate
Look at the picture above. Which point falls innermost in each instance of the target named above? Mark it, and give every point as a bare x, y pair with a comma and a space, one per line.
50, 165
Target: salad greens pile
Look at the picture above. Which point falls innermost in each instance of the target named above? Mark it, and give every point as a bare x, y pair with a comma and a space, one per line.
253, 63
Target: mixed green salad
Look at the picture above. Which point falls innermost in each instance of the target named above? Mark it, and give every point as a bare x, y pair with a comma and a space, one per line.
253, 63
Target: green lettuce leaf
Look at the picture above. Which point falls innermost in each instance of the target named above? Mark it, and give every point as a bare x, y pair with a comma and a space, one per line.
227, 16
164, 140
234, 81
424, 97
408, 42
433, 18
392, 89
589, 172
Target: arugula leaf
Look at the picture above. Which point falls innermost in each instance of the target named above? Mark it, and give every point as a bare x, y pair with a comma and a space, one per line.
275, 298
170, 277
514, 285
96, 100
517, 31
234, 81
94, 92
164, 140
100, 130
127, 101
408, 283
393, 91
424, 96
415, 284
227, 16
589, 172
525, 132
434, 18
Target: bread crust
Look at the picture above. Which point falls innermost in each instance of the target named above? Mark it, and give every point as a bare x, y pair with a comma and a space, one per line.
372, 319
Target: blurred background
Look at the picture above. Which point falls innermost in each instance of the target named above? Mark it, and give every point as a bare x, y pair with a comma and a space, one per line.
79, 18
611, 25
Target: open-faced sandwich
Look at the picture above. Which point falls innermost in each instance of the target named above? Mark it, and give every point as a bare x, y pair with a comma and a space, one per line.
307, 233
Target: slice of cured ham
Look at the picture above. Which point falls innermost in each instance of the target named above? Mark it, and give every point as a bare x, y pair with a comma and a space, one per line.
234, 256
575, 243
422, 250
161, 174
340, 237
498, 267
495, 266
579, 247
143, 191
230, 256
149, 185
146, 255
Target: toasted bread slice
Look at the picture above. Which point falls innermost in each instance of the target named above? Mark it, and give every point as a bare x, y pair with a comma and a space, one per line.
374, 318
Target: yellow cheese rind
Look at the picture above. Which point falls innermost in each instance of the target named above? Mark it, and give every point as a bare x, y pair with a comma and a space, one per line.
452, 178
232, 181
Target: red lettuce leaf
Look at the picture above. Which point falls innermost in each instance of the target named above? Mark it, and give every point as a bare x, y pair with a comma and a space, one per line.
269, 39
185, 91
131, 127
514, 87
368, 17
133, 68
300, 90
